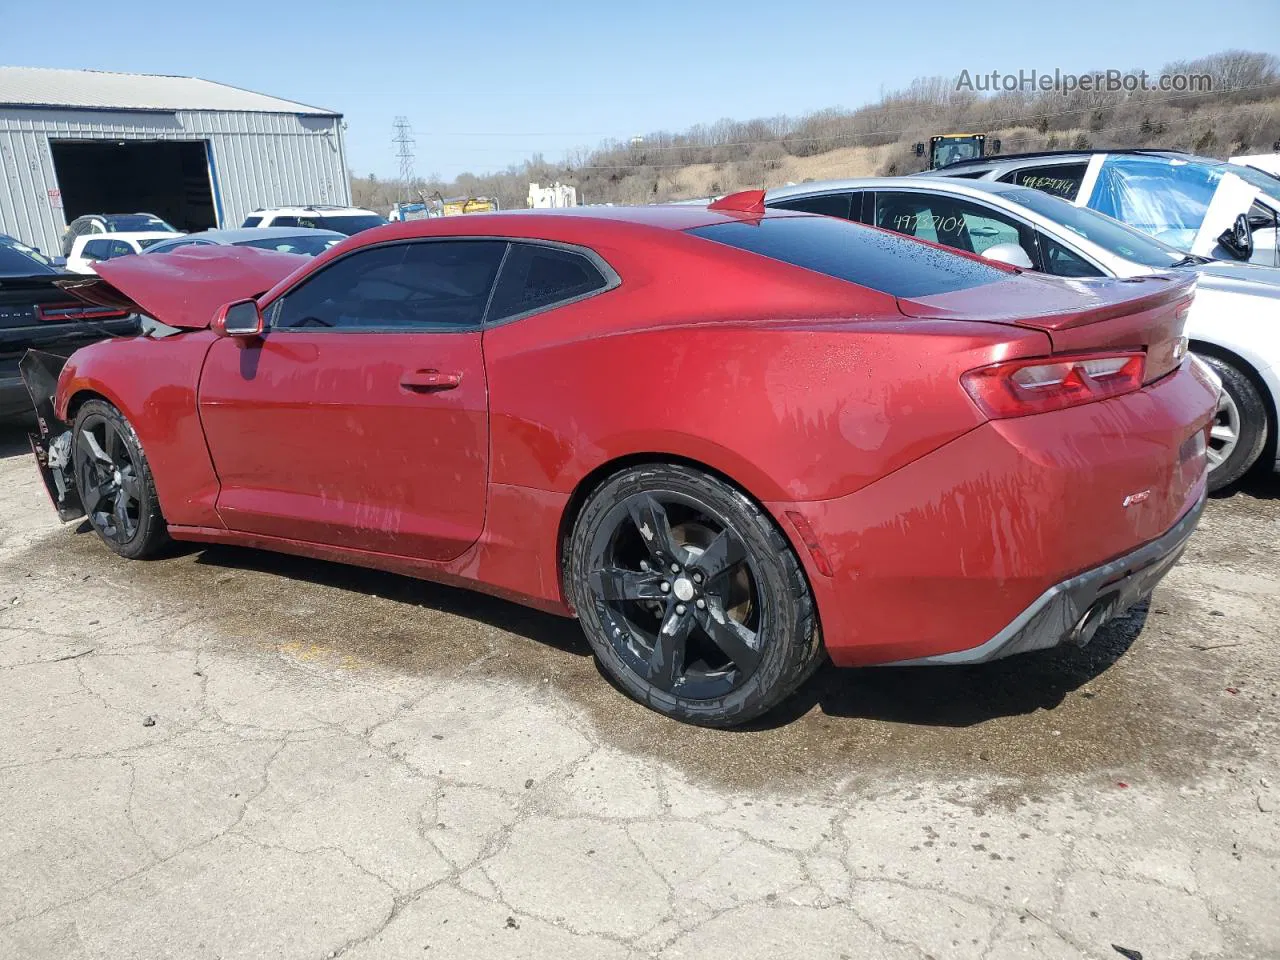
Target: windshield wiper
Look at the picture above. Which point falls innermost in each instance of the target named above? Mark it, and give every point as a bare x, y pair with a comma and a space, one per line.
1189, 260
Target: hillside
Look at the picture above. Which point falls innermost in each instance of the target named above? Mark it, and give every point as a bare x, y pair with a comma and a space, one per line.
1240, 114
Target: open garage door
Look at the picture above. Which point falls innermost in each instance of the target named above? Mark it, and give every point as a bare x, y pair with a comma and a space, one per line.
169, 178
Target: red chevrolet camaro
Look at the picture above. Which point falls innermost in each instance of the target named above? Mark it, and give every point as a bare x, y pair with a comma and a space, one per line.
729, 441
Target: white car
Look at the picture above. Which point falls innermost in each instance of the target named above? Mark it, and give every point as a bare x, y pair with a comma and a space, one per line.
88, 249
348, 220
1233, 325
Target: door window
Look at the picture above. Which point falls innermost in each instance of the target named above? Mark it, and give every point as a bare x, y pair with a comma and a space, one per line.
827, 204
951, 221
284, 221
97, 250
119, 248
1063, 262
251, 221
1060, 180
423, 285
535, 277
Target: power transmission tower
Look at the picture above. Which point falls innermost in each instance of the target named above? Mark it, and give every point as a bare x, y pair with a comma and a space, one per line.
404, 142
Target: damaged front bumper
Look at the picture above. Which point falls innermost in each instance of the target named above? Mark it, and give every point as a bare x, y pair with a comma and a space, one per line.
52, 444
1073, 610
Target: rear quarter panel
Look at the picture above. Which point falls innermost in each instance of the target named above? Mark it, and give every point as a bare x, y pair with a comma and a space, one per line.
790, 410
153, 383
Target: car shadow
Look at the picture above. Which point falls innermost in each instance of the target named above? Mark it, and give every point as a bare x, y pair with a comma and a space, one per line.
13, 437
961, 696
559, 633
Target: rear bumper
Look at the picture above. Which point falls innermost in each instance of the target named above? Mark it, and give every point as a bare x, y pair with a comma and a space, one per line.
1073, 610
966, 545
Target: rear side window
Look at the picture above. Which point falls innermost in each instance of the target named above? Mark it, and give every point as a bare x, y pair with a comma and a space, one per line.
827, 204
535, 277
848, 251
284, 221
1061, 180
251, 221
99, 249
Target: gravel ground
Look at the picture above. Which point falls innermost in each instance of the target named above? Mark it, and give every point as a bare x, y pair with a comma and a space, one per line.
230, 754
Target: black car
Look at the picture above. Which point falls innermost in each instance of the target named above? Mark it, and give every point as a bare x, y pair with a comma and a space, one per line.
36, 313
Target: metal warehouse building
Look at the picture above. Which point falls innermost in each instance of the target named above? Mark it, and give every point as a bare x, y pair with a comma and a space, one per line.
196, 153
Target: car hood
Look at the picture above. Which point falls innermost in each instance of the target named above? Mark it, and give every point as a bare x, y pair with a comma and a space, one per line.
1231, 276
185, 288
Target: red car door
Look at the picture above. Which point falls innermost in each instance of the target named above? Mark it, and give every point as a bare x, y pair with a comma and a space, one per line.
360, 418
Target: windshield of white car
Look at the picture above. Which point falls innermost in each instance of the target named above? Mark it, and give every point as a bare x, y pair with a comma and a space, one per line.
1112, 235
136, 223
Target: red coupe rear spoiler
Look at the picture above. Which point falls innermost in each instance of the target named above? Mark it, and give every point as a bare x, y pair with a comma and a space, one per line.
184, 288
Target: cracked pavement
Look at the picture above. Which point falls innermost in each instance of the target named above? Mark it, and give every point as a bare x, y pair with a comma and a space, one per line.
229, 754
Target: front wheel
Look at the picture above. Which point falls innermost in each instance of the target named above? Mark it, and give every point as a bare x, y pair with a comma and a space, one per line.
1239, 431
115, 484
691, 598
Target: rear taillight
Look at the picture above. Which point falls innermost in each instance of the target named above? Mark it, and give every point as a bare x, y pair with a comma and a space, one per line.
59, 312
1016, 388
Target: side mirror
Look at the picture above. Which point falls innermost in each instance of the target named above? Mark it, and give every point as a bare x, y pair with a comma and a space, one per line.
1238, 241
919, 148
995, 145
243, 318
1010, 253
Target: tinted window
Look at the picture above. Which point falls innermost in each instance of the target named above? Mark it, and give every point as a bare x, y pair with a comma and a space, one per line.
119, 248
848, 251
535, 276
98, 249
827, 204
1062, 180
15, 263
284, 221
251, 221
350, 224
950, 221
1062, 262
438, 284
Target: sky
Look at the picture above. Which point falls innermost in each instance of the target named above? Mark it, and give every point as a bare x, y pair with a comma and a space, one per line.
489, 84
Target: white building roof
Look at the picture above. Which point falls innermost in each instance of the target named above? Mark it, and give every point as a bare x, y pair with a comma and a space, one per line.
99, 90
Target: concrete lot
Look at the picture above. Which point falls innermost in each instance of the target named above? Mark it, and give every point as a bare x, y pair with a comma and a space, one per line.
228, 754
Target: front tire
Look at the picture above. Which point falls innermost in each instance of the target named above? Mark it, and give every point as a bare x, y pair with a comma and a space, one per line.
1240, 427
691, 598
115, 484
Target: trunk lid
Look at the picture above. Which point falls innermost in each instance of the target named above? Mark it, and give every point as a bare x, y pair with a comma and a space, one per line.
1079, 316
185, 288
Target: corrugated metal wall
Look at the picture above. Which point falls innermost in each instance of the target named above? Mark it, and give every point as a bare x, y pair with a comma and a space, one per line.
259, 160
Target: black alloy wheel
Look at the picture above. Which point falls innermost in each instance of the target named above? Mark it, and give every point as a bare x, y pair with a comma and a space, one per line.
114, 482
691, 597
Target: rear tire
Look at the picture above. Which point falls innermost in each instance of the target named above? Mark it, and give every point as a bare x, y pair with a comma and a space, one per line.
1240, 429
691, 598
115, 483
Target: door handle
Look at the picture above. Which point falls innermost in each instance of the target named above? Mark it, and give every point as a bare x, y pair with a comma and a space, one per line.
430, 381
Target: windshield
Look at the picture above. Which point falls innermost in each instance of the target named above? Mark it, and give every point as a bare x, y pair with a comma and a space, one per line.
136, 223
1111, 235
311, 245
876, 259
149, 241
1168, 199
32, 252
14, 262
349, 223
